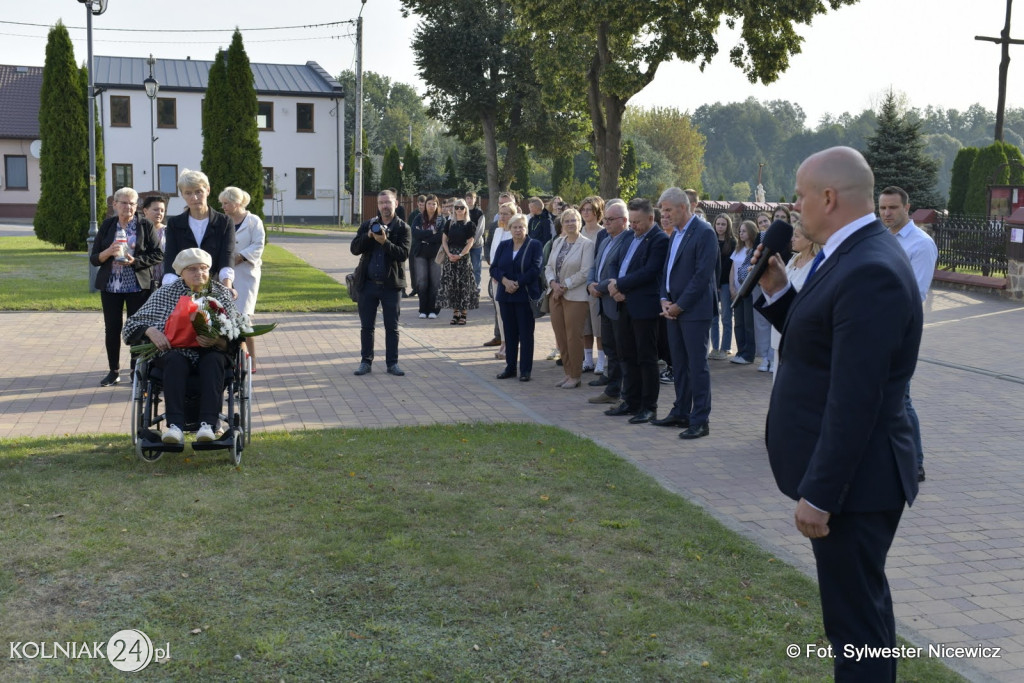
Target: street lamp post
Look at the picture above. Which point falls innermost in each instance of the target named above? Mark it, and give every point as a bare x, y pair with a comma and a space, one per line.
92, 7
152, 90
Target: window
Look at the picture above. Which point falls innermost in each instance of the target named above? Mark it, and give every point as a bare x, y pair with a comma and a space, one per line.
268, 181
120, 112
265, 116
304, 183
167, 175
304, 118
16, 171
166, 112
123, 176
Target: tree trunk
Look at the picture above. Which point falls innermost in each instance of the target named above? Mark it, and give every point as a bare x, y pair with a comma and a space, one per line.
606, 114
491, 149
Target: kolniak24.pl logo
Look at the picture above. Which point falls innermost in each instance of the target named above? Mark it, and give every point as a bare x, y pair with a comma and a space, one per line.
127, 650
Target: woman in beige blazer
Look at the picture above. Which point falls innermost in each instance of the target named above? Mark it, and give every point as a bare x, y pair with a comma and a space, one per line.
568, 267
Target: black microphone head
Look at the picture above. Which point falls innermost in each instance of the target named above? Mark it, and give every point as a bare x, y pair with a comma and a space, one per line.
778, 236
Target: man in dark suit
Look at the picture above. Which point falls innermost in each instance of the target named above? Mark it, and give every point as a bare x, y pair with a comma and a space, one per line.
838, 436
616, 228
687, 303
635, 291
382, 245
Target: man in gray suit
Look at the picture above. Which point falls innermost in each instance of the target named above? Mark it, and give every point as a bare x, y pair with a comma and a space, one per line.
615, 224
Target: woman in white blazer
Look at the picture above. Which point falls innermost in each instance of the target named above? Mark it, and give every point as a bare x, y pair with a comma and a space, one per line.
568, 267
250, 239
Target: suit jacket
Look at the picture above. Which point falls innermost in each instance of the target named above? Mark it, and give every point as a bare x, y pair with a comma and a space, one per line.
147, 252
218, 241
396, 251
640, 283
691, 276
524, 269
606, 303
575, 268
837, 431
541, 227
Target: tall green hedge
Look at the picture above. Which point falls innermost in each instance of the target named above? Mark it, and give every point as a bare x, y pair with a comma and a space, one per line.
390, 173
989, 168
961, 177
62, 215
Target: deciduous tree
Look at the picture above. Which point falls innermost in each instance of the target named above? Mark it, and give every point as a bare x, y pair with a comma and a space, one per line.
611, 50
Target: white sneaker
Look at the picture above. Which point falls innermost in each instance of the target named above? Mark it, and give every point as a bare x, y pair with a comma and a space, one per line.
423, 315
599, 370
739, 360
172, 435
765, 366
432, 316
205, 433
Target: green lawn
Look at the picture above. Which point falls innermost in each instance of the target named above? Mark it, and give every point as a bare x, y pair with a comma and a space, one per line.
457, 553
35, 276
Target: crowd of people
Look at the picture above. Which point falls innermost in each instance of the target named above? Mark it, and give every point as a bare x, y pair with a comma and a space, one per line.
637, 294
138, 256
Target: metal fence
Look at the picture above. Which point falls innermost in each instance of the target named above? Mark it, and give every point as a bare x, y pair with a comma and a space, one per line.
971, 244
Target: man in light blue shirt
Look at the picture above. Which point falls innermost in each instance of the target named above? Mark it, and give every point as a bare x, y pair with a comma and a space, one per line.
894, 211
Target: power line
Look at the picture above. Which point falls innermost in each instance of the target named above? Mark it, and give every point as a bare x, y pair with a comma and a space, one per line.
185, 30
193, 42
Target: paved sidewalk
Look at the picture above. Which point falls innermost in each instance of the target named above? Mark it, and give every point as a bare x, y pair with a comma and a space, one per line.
955, 568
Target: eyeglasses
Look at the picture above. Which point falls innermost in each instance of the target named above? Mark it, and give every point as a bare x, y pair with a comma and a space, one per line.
128, 203
460, 208
609, 219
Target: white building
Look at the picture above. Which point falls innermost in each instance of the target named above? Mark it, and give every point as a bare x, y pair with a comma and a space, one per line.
300, 133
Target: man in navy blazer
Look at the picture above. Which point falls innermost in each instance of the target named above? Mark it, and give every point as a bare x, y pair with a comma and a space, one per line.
838, 436
635, 291
616, 229
688, 305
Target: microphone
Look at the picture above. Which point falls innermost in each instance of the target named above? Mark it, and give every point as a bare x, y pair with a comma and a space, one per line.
777, 240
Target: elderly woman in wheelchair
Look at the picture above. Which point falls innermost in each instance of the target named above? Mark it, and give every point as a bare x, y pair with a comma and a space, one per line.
212, 359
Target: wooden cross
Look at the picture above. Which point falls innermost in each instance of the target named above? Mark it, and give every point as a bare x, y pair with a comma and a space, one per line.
1004, 66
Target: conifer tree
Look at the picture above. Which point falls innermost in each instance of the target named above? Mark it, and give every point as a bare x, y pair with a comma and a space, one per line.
961, 176
390, 173
989, 168
561, 172
214, 163
62, 214
896, 155
451, 179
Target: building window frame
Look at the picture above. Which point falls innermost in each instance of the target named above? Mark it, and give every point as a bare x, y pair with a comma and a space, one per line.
268, 181
123, 171
173, 112
117, 101
268, 116
173, 192
8, 158
298, 119
300, 175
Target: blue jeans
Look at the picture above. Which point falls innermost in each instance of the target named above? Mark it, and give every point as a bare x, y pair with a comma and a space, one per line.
915, 425
744, 321
721, 339
474, 257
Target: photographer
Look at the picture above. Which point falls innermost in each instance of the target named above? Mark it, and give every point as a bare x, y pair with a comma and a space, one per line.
382, 245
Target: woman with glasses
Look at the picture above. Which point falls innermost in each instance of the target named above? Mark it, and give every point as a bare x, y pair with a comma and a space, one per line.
458, 290
125, 271
566, 273
201, 227
154, 208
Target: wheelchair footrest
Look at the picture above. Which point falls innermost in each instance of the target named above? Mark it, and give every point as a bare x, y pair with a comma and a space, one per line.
158, 445
225, 441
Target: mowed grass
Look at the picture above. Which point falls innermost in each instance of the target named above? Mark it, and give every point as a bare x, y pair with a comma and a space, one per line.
456, 553
36, 276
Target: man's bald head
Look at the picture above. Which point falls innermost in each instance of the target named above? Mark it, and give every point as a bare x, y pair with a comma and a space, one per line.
836, 187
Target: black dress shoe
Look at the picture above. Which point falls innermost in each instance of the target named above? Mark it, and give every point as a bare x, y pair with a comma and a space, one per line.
920, 474
641, 417
599, 382
695, 431
671, 420
524, 378
113, 377
363, 369
506, 373
396, 371
621, 409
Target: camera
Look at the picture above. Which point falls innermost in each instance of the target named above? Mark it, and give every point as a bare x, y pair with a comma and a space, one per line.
376, 228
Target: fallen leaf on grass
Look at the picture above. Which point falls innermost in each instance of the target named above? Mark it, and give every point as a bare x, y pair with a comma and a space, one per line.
476, 648
356, 636
195, 631
57, 515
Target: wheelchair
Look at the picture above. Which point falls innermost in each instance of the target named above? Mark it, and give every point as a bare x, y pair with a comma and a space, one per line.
147, 418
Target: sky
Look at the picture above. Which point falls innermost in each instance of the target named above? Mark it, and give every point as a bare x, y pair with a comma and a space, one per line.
924, 49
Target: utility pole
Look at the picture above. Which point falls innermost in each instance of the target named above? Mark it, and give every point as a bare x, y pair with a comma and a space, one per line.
92, 7
357, 190
1004, 66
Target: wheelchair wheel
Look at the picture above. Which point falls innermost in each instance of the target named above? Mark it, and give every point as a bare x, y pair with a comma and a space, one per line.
245, 402
136, 408
236, 448
147, 454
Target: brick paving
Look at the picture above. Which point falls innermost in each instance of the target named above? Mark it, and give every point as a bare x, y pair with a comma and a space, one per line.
955, 568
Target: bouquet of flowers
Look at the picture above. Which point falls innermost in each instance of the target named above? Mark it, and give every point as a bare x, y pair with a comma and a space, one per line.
201, 315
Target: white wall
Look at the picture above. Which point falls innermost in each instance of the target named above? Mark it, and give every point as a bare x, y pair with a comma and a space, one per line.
284, 149
21, 197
